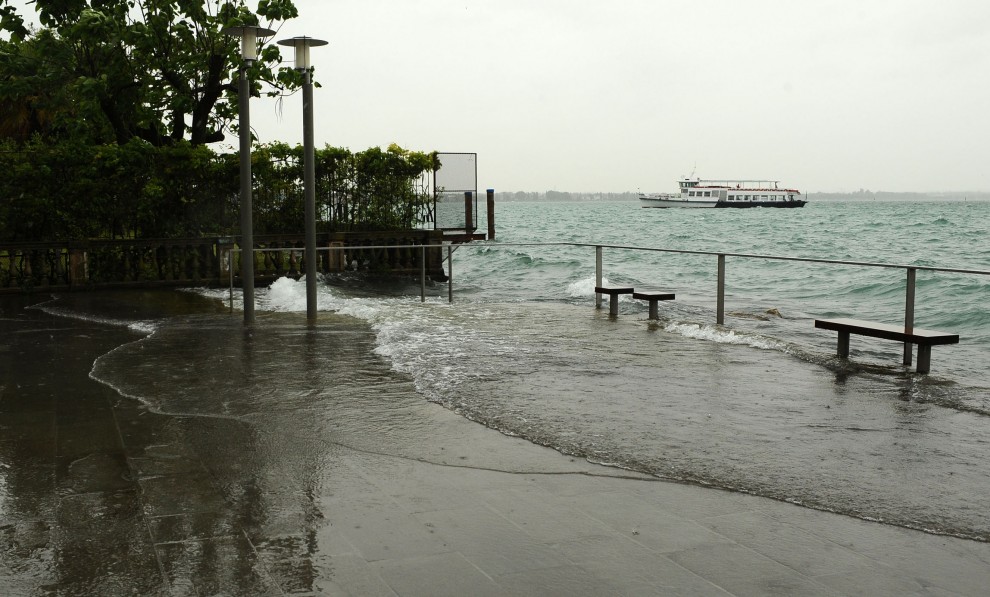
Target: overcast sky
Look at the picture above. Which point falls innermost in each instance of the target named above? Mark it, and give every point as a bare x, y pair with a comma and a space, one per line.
581, 95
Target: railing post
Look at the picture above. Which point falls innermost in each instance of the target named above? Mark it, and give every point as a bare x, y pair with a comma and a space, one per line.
598, 275
422, 275
720, 294
450, 275
909, 311
77, 267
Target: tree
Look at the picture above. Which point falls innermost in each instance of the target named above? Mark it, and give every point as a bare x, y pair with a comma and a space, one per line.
157, 70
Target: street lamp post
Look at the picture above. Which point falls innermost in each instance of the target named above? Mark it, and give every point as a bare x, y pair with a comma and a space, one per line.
302, 46
249, 35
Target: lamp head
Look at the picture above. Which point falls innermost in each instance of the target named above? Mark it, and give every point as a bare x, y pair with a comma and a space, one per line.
249, 35
302, 45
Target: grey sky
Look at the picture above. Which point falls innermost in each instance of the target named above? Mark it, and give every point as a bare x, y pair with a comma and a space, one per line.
575, 95
592, 96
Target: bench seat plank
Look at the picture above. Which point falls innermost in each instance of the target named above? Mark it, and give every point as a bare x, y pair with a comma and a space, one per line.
613, 293
925, 339
887, 331
653, 296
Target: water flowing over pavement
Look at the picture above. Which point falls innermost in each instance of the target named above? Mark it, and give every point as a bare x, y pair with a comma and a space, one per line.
287, 459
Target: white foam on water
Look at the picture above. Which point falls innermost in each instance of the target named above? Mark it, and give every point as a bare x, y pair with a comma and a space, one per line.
723, 336
420, 339
146, 327
585, 288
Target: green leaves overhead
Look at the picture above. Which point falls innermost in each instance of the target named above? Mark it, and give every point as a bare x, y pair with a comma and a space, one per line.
157, 70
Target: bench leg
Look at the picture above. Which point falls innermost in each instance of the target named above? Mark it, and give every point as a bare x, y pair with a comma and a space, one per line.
613, 305
654, 312
924, 358
843, 345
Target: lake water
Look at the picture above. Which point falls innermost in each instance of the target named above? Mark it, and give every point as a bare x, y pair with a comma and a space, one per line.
760, 405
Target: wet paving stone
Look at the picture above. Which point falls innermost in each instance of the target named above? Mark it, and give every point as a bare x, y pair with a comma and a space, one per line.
102, 546
186, 493
25, 556
221, 566
98, 471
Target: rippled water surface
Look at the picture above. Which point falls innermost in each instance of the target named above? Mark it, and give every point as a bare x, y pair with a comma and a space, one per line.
760, 405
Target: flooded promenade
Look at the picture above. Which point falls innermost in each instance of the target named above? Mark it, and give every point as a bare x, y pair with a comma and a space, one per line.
200, 479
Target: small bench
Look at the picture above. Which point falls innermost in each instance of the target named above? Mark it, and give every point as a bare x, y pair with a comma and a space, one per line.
613, 293
653, 296
925, 339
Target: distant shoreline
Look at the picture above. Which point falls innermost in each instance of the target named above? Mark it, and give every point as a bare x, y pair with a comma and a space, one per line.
813, 196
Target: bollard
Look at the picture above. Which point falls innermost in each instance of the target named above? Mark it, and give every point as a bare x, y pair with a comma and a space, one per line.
468, 212
491, 214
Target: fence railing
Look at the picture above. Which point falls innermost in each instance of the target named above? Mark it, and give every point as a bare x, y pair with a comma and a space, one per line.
27, 267
909, 270
721, 267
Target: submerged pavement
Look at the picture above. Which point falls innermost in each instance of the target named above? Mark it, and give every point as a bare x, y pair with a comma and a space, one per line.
101, 496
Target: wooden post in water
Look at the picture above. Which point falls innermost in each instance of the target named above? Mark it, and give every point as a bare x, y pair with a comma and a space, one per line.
491, 214
468, 212
909, 312
422, 274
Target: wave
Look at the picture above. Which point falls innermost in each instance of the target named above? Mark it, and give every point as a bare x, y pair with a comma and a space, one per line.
137, 326
721, 335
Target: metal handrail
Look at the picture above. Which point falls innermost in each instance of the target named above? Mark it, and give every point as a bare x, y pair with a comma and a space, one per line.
909, 293
911, 270
422, 295
748, 256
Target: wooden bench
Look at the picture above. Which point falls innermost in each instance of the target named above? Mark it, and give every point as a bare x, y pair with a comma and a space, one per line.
925, 339
613, 293
653, 296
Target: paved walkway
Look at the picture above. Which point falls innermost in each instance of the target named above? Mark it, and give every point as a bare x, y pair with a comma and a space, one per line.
98, 496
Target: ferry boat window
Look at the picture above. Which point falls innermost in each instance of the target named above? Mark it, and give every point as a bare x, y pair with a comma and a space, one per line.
764, 197
708, 193
690, 193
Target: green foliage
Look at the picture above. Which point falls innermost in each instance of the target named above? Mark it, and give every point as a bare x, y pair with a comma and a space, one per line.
105, 113
157, 70
369, 190
72, 190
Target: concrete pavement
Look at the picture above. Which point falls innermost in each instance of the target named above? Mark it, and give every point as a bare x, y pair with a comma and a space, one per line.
99, 496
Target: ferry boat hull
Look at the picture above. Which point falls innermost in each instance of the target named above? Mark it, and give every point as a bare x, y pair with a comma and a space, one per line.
697, 192
646, 201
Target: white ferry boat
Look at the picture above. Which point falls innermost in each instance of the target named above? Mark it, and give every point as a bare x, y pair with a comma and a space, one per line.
700, 192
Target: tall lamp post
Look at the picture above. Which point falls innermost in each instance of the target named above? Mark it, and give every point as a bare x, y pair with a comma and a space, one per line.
302, 46
249, 35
